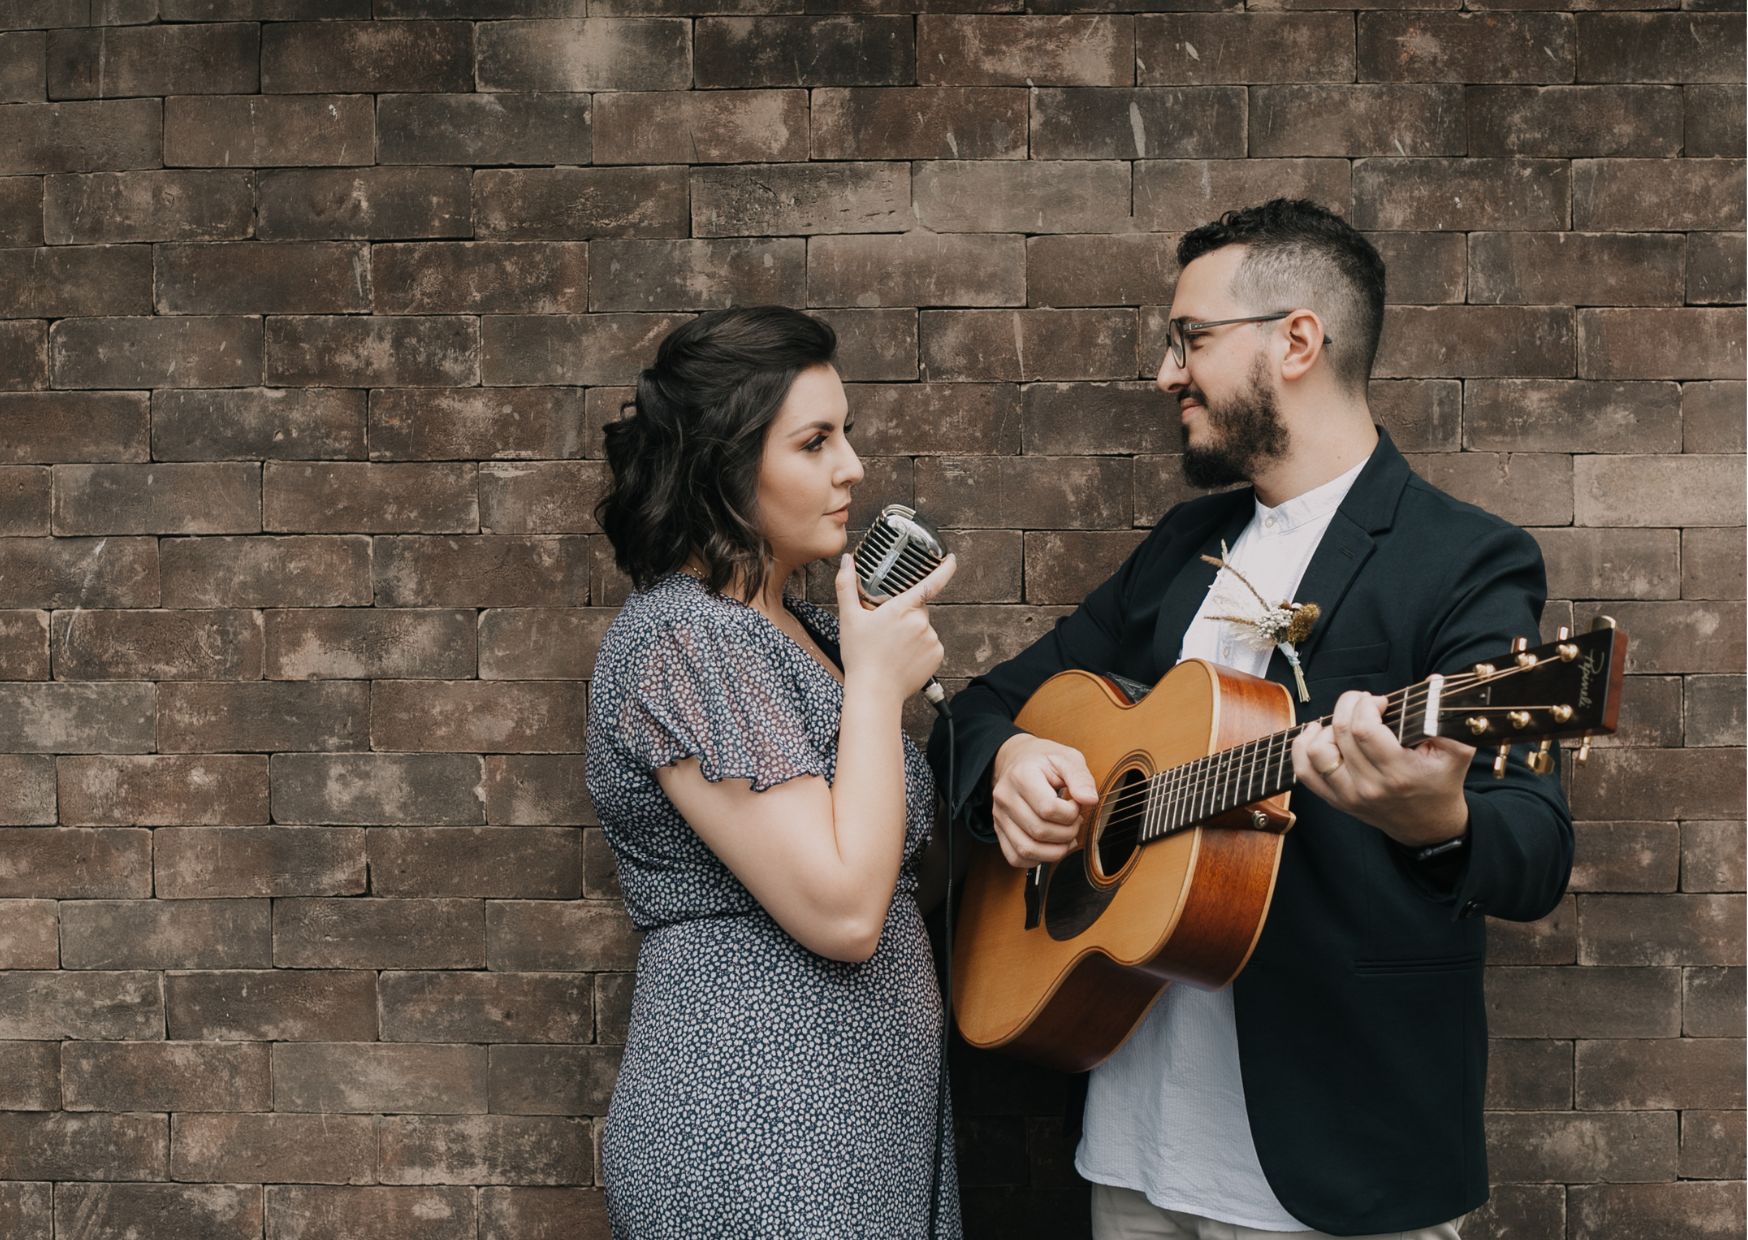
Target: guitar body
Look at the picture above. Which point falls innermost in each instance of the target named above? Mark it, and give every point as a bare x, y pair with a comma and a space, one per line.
1116, 922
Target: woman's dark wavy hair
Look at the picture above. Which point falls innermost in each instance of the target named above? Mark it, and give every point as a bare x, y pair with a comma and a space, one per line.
685, 462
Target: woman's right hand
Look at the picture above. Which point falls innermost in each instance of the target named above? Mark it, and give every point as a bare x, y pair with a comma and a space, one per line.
892, 645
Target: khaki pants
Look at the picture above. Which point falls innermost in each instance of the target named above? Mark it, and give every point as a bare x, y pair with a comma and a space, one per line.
1124, 1214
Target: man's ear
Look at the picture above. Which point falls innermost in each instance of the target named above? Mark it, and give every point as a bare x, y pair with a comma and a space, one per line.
1304, 336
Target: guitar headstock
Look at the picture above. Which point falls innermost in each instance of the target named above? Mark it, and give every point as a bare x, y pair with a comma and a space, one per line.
1569, 687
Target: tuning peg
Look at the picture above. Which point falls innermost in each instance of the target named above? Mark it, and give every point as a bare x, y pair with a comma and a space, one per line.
1519, 644
1520, 719
1583, 754
1499, 760
1542, 760
1478, 724
1562, 633
1602, 622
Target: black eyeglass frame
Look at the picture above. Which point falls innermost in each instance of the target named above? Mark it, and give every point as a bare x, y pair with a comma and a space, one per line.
1178, 331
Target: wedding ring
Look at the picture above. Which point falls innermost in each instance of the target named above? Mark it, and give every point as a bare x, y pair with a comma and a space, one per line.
1332, 770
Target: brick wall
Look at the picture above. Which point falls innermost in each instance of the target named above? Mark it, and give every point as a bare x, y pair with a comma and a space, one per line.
307, 330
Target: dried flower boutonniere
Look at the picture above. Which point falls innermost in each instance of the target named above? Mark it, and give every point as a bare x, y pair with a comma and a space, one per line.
1282, 624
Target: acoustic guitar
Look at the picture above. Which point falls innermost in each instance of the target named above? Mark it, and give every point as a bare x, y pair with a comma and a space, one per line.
1172, 875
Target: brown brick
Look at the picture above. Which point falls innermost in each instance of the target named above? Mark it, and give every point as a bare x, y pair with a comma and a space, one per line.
478, 424
1660, 344
1487, 47
514, 1149
541, 497
485, 570
553, 1080
364, 203
32, 1073
1695, 1211
114, 61
498, 862
548, 643
696, 275
1063, 566
365, 57
1657, 194
1712, 1145
164, 1076
566, 203
154, 790
25, 496
1650, 715
1460, 194
21, 210
82, 137
977, 636
1342, 120
1218, 48
95, 644
801, 199
30, 938
1712, 852
1476, 341
481, 9
701, 127
612, 1006
1659, 490
1159, 483
1012, 50
1711, 1002
248, 277
488, 277
27, 784
483, 129
1711, 415
603, 54
1023, 345
1626, 856
24, 655
1711, 564
279, 1005
258, 862
156, 352
525, 1213
163, 934
1713, 122
1679, 637
330, 1213
267, 717
1067, 196
1177, 195
1564, 415
1715, 268
852, 50
553, 349
1132, 270
59, 1146
24, 355
1714, 710
1518, 1210
72, 718
487, 1007
1094, 419
600, 867
536, 789
71, 863
55, 427
1543, 1146
915, 269
372, 498
256, 10
1595, 1002
1589, 564
1526, 488
47, 1005
1549, 940
1574, 121
257, 423
1613, 269
1026, 492
1114, 123
919, 123
22, 75
208, 498
929, 419
413, 351
375, 789
1675, 783
1526, 1074
476, 716
873, 344
78, 280
266, 572
267, 130
1661, 929
148, 206
1659, 47
367, 1078
541, 935
266, 1148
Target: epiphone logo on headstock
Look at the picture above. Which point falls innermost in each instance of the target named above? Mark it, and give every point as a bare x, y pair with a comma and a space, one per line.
1588, 670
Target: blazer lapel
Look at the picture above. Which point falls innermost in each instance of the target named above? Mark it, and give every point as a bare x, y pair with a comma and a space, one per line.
1185, 591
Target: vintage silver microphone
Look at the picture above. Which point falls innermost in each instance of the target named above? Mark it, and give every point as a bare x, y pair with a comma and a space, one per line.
900, 548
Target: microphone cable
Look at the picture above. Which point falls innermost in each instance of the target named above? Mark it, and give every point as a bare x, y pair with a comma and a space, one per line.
942, 1101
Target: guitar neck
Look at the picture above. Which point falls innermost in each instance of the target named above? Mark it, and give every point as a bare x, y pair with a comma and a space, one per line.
1188, 795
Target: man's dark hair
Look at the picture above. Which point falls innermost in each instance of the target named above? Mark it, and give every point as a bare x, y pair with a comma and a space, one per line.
685, 463
1303, 254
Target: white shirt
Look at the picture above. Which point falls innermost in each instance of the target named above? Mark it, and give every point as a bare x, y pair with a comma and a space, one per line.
1165, 1115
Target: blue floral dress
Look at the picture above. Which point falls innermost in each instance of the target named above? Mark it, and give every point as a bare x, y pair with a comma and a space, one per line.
766, 1091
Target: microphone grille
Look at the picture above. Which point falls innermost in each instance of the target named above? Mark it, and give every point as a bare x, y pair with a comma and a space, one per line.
900, 548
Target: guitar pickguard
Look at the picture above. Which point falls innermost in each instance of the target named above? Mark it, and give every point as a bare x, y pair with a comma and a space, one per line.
1071, 902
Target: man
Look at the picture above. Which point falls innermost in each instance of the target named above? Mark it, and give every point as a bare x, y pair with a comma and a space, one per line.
1335, 1088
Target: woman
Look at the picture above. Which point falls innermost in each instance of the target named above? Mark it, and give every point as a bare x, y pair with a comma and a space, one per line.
767, 812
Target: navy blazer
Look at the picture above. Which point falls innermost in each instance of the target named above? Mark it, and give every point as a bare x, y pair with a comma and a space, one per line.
1362, 1029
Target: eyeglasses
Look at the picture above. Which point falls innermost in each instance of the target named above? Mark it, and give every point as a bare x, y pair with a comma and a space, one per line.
1178, 331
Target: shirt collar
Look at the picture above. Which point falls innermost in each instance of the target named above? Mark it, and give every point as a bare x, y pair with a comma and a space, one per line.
1313, 505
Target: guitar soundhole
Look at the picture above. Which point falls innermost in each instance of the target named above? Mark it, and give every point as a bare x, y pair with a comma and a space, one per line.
1119, 825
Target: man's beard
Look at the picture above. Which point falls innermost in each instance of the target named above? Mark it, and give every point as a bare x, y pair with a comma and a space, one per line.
1244, 433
